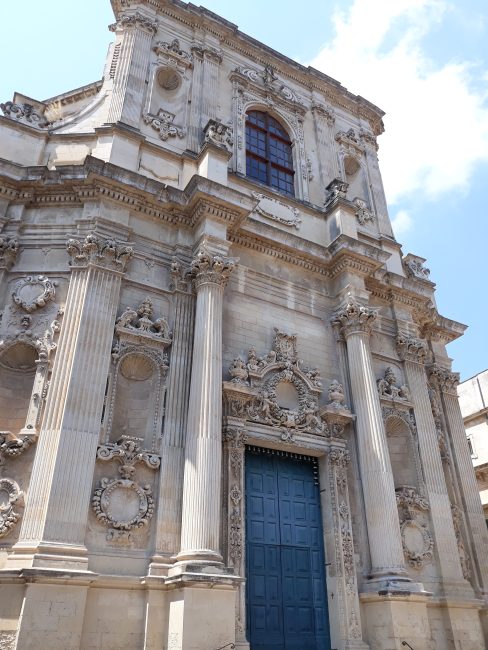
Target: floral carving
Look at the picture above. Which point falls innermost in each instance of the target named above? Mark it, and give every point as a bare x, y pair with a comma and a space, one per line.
388, 387
174, 50
12, 496
99, 251
414, 267
33, 292
363, 214
207, 268
354, 317
24, 113
436, 413
417, 541
446, 380
411, 349
163, 124
218, 134
140, 508
457, 518
9, 248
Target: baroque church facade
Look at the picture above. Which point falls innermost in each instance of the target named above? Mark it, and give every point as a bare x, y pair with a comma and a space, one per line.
228, 418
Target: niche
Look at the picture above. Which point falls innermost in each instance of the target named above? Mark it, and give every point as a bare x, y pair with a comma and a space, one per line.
17, 372
402, 452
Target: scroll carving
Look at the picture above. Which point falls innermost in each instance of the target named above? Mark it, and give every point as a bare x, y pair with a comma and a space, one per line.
163, 124
33, 292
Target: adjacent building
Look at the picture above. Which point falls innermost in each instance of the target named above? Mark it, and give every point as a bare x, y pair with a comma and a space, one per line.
228, 418
473, 400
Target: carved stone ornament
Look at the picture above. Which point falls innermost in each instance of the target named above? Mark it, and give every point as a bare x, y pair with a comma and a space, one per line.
388, 387
336, 413
414, 267
259, 385
99, 251
136, 19
11, 495
34, 292
218, 134
336, 189
9, 249
122, 504
138, 324
363, 214
208, 268
163, 124
402, 413
418, 543
276, 210
173, 50
354, 317
411, 349
446, 380
271, 83
24, 113
457, 517
349, 140
437, 414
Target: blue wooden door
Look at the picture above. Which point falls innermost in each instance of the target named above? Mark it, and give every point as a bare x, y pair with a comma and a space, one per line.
285, 589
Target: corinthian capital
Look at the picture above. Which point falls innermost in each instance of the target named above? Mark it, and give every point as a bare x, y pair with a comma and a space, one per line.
446, 380
99, 251
9, 247
411, 349
135, 20
211, 269
354, 317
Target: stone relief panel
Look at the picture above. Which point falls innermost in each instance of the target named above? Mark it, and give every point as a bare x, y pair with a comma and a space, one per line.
275, 391
137, 380
120, 502
390, 388
275, 210
458, 521
417, 540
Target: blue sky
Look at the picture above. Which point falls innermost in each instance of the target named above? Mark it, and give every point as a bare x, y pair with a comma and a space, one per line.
425, 62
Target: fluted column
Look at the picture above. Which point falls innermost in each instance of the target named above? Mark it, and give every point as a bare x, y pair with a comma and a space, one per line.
168, 532
378, 486
447, 382
135, 32
413, 351
54, 520
203, 453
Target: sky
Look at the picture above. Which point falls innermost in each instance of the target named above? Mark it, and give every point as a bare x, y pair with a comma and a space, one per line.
424, 62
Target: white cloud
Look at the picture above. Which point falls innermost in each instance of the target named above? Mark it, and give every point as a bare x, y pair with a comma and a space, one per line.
401, 223
436, 122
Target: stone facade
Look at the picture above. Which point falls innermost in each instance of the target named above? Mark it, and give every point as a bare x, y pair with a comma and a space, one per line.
163, 311
473, 400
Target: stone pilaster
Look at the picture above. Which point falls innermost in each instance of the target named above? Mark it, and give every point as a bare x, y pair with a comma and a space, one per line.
347, 587
204, 92
168, 531
385, 544
135, 32
446, 382
414, 352
376, 182
324, 120
54, 522
203, 452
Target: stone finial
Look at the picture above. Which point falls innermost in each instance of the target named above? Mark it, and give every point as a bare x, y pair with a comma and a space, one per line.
99, 251
220, 135
211, 269
9, 248
411, 349
354, 317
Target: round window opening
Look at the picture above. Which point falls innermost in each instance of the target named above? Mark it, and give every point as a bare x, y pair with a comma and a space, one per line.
169, 79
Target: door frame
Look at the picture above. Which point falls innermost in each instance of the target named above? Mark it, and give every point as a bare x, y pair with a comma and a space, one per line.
333, 460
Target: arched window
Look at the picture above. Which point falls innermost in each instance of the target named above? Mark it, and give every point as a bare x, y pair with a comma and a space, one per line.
268, 152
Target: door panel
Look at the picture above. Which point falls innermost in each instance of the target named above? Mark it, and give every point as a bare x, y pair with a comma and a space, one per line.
286, 594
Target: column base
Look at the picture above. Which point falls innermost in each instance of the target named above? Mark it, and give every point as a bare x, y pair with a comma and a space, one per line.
48, 555
160, 565
396, 617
